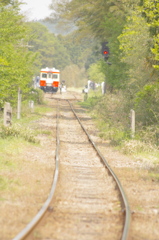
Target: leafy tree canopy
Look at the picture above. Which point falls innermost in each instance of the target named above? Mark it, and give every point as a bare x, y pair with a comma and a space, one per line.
95, 74
15, 59
150, 10
7, 2
50, 52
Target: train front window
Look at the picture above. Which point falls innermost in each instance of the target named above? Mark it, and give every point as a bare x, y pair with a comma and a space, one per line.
44, 75
54, 76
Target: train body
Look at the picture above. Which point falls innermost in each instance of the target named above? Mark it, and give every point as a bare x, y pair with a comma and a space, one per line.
49, 79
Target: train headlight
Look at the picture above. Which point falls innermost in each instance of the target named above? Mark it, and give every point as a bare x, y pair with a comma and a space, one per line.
42, 83
55, 84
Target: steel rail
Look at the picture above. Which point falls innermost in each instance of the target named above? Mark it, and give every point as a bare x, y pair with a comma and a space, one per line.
122, 192
45, 206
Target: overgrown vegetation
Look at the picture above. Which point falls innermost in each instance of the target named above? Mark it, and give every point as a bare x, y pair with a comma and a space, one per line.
17, 131
112, 116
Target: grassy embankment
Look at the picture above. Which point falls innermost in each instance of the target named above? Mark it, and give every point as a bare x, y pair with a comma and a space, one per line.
15, 140
112, 117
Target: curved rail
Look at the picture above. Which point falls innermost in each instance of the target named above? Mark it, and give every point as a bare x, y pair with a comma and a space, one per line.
42, 211
44, 208
124, 197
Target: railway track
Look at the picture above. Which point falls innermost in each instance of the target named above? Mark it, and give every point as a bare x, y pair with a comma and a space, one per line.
86, 200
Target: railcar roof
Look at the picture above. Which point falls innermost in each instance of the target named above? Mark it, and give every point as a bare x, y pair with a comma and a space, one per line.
49, 70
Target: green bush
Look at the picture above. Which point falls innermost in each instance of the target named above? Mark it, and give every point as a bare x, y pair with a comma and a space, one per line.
147, 105
36, 95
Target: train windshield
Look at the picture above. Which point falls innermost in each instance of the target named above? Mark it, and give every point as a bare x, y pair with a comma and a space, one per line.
55, 76
44, 75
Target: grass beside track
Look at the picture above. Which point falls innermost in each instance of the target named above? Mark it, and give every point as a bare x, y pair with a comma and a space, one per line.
15, 139
114, 126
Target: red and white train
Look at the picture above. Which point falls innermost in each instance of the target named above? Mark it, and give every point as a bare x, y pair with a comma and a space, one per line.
49, 79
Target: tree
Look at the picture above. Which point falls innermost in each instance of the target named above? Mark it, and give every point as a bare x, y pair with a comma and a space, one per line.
7, 2
95, 74
82, 51
134, 43
150, 10
139, 45
50, 52
99, 21
138, 42
90, 16
15, 59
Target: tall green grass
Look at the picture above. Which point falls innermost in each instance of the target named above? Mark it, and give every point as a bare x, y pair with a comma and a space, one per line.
111, 113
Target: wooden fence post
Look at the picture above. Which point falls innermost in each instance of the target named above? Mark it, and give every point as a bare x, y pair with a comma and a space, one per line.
103, 86
7, 114
132, 118
31, 105
19, 104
